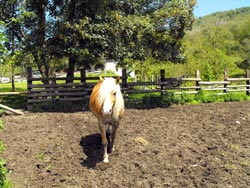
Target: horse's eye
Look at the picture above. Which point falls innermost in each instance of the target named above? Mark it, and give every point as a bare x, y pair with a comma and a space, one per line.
114, 93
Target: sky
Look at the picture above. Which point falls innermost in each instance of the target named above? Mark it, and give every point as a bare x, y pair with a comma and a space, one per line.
205, 7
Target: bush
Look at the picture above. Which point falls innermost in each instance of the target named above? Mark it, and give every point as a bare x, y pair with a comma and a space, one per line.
186, 98
156, 100
151, 101
3, 172
203, 97
169, 99
14, 101
235, 97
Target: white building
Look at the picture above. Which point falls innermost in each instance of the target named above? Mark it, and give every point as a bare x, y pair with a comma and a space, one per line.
111, 65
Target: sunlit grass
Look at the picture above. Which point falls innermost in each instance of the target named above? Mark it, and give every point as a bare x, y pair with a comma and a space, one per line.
19, 87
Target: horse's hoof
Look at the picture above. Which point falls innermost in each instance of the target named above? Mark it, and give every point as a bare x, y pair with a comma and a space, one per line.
105, 160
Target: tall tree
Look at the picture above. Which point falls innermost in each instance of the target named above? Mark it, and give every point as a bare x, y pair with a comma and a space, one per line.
218, 41
11, 16
88, 30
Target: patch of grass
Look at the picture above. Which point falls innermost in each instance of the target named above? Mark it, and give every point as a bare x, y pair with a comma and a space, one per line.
19, 87
229, 167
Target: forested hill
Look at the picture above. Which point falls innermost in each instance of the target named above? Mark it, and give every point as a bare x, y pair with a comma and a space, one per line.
220, 40
231, 16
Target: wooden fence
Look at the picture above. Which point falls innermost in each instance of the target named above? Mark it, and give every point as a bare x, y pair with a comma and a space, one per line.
79, 88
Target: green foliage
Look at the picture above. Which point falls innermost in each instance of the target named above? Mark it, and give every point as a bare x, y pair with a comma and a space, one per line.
14, 101
3, 39
83, 31
157, 100
152, 101
219, 41
205, 97
3, 171
1, 126
149, 69
235, 97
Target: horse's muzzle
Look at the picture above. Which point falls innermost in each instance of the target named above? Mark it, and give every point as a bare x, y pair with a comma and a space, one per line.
107, 112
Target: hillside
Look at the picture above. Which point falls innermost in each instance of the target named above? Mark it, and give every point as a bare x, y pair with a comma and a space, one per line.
229, 17
220, 40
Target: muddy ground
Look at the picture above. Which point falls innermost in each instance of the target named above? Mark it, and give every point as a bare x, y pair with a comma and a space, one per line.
204, 145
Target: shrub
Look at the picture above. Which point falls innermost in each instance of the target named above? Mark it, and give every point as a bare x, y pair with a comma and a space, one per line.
186, 98
235, 97
3, 172
157, 100
152, 101
205, 97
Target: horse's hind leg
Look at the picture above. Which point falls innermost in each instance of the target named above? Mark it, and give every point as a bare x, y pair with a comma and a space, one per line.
104, 142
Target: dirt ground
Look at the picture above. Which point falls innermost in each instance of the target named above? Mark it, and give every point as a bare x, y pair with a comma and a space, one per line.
204, 145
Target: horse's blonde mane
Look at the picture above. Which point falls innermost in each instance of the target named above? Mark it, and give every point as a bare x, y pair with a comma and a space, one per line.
118, 109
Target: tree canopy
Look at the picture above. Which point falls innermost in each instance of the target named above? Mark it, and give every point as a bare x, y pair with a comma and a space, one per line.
84, 31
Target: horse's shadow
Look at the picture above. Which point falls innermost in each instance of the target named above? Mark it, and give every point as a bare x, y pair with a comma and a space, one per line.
91, 145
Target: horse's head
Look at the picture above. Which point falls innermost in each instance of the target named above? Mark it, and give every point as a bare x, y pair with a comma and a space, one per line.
109, 90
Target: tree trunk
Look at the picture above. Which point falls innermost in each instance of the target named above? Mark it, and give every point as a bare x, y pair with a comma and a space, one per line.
13, 77
71, 69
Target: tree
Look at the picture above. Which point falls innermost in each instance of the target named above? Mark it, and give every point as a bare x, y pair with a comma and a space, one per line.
241, 34
3, 40
85, 31
10, 32
219, 40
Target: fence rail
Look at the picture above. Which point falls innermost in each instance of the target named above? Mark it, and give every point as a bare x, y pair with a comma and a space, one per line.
79, 88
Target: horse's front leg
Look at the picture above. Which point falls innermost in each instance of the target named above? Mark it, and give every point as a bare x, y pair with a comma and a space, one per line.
113, 136
104, 142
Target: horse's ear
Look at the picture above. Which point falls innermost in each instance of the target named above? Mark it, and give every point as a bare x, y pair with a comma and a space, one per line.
117, 79
101, 78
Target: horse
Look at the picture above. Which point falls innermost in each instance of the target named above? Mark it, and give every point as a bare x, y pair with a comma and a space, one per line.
107, 104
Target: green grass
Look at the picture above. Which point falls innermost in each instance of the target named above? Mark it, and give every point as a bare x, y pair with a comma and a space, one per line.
19, 87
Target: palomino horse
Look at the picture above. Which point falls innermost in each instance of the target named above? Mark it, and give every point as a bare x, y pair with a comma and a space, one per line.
107, 104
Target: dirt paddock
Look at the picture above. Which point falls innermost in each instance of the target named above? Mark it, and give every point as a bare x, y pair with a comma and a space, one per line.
204, 145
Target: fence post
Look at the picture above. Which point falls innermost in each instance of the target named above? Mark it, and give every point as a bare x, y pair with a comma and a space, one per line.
197, 82
225, 79
162, 80
83, 82
83, 75
124, 79
29, 86
247, 82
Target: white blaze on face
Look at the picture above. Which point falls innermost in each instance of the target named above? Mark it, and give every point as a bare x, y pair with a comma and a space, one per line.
108, 89
107, 105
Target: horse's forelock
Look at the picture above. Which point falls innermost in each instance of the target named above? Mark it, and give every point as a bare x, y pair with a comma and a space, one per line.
106, 86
